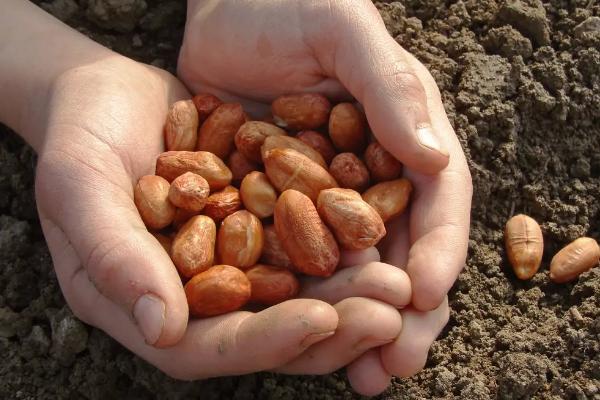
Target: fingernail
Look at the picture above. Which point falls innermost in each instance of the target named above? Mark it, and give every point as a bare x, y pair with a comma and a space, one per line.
149, 314
369, 343
315, 338
427, 139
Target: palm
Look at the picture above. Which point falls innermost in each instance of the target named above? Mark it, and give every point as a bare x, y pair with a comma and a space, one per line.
102, 135
263, 63
248, 73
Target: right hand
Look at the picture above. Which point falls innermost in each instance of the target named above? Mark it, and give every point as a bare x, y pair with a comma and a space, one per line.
100, 131
341, 48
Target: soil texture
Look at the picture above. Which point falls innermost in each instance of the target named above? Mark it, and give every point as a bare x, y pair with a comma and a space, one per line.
521, 83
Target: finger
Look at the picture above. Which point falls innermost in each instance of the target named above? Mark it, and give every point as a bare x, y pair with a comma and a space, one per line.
350, 258
439, 216
367, 375
226, 345
242, 342
374, 68
433, 250
374, 280
352, 338
396, 243
407, 355
123, 260
438, 254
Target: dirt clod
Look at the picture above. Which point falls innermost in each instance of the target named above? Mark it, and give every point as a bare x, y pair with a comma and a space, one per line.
530, 19
119, 15
36, 344
69, 337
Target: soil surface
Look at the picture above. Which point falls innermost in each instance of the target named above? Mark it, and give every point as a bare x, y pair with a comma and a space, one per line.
521, 83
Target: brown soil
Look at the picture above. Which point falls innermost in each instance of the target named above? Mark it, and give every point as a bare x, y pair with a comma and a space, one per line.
521, 83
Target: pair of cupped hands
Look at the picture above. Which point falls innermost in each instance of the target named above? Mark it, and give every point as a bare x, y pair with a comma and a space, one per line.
378, 317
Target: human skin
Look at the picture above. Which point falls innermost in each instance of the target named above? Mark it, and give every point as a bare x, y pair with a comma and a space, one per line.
95, 119
342, 49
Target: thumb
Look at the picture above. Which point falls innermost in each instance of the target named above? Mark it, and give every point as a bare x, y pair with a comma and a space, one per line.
96, 216
375, 69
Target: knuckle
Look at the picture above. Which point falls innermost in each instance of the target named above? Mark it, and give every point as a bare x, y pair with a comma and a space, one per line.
403, 86
102, 264
77, 301
406, 83
320, 314
437, 298
428, 297
380, 276
407, 80
406, 363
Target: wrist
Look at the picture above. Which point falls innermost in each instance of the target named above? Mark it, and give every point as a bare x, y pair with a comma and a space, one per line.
30, 65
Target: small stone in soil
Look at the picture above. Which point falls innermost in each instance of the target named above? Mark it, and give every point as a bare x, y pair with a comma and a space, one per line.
36, 344
69, 337
7, 322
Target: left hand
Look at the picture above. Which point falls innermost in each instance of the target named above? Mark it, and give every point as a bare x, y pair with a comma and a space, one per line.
254, 51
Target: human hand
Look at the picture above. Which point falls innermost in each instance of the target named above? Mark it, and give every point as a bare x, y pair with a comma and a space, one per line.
103, 130
254, 51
